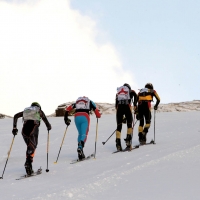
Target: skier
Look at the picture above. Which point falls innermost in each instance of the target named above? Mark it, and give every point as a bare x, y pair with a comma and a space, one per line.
82, 106
145, 96
31, 117
123, 106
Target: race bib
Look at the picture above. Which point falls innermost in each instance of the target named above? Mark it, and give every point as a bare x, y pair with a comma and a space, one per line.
123, 93
83, 103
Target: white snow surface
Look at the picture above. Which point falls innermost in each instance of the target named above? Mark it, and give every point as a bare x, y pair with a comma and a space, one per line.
167, 170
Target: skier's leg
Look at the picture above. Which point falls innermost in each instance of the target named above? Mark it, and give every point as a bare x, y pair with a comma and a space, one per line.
30, 134
129, 118
141, 118
119, 119
82, 122
147, 120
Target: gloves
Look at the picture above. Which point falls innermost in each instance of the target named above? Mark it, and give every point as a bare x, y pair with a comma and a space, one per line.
124, 120
135, 108
49, 127
97, 113
155, 107
136, 113
67, 121
14, 131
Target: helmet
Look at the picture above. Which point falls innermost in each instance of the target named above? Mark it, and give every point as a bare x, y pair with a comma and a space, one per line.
36, 104
127, 85
149, 86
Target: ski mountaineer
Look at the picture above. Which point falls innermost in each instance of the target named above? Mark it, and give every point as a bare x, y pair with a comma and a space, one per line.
145, 96
123, 106
30, 130
82, 106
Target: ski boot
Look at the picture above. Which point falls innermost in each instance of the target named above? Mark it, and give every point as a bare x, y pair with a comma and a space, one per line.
28, 167
142, 138
128, 142
81, 155
118, 144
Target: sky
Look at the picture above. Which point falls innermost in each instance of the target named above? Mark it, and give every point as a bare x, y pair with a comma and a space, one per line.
53, 51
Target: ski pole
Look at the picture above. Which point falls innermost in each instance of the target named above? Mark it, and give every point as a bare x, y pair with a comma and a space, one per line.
154, 126
47, 170
133, 128
109, 137
8, 156
96, 138
61, 145
133, 124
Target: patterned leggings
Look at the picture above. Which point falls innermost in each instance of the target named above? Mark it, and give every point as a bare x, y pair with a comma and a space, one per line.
30, 133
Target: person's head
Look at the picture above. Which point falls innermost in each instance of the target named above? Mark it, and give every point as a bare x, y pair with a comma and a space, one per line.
36, 104
127, 85
149, 86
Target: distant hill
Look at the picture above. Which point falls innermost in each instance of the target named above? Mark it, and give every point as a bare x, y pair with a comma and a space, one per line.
2, 116
107, 108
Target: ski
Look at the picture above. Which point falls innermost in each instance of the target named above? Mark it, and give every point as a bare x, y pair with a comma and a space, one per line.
152, 142
86, 158
38, 172
116, 151
125, 150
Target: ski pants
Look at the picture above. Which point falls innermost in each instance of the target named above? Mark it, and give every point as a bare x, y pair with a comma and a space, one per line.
30, 133
122, 110
144, 112
82, 121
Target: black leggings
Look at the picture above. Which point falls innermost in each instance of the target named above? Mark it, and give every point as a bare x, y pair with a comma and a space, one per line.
121, 111
144, 111
30, 133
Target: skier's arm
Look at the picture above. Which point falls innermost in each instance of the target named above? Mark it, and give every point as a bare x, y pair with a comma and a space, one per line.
93, 107
116, 102
67, 110
133, 94
44, 118
18, 115
15, 130
157, 98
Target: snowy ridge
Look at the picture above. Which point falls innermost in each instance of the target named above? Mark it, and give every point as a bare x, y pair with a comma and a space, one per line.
180, 107
3, 116
108, 108
171, 107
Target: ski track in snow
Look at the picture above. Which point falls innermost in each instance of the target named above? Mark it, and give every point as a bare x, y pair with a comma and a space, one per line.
167, 170
90, 190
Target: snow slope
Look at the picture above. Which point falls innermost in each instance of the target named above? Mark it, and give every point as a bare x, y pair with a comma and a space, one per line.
167, 170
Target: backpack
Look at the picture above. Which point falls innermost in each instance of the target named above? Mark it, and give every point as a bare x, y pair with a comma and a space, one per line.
31, 113
83, 103
123, 93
